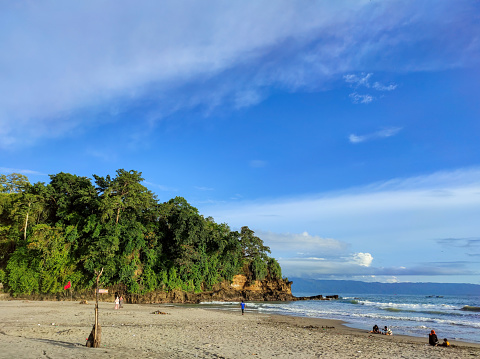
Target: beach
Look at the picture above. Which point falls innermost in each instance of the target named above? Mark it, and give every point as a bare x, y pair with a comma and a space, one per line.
47, 329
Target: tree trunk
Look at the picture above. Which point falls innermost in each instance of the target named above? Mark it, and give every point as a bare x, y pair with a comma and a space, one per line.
26, 222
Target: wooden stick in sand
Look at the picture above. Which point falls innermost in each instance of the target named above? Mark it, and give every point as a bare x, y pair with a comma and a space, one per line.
94, 338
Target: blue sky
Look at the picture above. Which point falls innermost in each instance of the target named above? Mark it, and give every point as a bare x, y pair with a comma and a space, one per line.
345, 133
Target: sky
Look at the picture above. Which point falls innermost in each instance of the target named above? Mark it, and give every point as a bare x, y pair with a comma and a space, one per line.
344, 133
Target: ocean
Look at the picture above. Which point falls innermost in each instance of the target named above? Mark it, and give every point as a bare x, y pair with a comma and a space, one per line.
452, 317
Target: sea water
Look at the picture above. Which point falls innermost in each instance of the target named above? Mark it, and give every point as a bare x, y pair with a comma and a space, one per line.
452, 317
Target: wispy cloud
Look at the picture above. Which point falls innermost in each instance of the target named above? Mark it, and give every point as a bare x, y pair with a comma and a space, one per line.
378, 86
358, 80
21, 171
358, 98
177, 55
387, 132
362, 80
460, 242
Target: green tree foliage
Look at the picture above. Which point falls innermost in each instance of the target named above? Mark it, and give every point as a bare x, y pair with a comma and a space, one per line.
13, 183
71, 227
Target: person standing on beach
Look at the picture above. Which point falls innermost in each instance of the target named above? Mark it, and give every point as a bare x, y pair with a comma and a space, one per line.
242, 305
121, 302
117, 302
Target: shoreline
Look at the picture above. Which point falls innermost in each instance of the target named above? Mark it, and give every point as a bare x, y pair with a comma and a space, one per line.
59, 329
361, 332
333, 322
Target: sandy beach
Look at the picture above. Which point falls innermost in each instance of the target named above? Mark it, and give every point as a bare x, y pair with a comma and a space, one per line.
44, 329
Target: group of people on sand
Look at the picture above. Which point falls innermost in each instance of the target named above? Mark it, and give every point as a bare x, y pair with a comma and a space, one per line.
118, 302
432, 337
433, 340
384, 331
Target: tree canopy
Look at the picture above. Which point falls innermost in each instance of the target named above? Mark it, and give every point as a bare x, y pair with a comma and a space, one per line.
69, 228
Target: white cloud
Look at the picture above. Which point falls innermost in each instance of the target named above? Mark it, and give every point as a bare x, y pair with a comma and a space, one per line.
358, 98
378, 86
362, 259
384, 133
64, 64
358, 80
363, 80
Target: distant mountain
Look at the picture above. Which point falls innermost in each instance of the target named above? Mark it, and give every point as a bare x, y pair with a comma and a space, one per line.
303, 286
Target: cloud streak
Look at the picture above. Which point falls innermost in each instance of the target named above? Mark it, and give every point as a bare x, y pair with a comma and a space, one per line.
21, 171
385, 133
75, 65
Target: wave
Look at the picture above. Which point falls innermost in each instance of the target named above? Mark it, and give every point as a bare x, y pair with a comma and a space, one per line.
390, 309
414, 307
430, 312
470, 308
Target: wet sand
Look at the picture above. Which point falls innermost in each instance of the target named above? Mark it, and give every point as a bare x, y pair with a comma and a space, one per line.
59, 330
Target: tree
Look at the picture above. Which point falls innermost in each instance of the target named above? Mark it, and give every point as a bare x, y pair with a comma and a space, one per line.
13, 183
125, 207
184, 238
252, 246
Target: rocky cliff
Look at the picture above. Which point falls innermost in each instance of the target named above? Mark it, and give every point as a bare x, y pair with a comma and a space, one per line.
239, 289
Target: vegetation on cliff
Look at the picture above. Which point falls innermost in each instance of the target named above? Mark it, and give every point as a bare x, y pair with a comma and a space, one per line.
66, 230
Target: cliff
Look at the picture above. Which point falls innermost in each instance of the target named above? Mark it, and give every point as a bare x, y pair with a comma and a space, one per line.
239, 289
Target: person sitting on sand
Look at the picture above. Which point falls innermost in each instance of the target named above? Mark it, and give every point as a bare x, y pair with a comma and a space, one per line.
445, 343
432, 338
375, 330
387, 331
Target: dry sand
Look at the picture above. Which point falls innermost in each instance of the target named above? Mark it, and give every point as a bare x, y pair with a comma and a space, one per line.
59, 330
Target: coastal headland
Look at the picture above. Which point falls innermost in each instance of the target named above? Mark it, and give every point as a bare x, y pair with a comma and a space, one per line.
58, 329
240, 288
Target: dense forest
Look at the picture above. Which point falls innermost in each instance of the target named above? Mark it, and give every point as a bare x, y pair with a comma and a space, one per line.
70, 228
